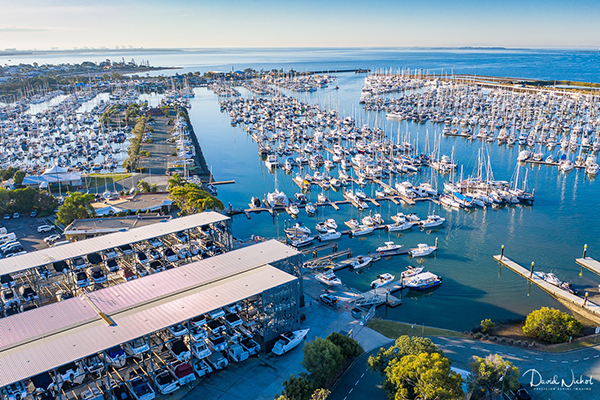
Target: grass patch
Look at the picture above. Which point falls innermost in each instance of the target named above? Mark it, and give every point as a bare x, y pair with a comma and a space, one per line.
576, 344
96, 180
393, 329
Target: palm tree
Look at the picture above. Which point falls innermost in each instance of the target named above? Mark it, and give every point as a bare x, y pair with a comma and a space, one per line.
175, 181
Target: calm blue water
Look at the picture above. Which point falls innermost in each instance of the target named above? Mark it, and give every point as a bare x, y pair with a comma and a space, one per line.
551, 232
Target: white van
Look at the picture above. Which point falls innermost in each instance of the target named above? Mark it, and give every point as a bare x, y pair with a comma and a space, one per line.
7, 237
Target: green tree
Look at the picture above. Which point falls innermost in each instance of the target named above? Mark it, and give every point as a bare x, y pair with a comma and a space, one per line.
322, 359
423, 376
4, 199
191, 199
174, 181
143, 186
487, 325
76, 206
491, 376
551, 325
19, 176
403, 346
348, 346
297, 388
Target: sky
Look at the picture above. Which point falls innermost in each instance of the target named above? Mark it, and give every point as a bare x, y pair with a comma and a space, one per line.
69, 24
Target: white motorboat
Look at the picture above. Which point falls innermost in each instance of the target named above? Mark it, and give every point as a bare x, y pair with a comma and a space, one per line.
398, 227
331, 234
382, 280
524, 155
302, 241
422, 250
288, 340
352, 223
254, 202
299, 229
310, 208
390, 248
361, 262
321, 198
271, 162
321, 227
368, 220
410, 271
165, 382
432, 221
399, 218
552, 279
331, 224
136, 347
362, 230
422, 281
329, 278
293, 210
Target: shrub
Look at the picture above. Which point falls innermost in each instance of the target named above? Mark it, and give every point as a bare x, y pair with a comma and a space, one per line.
551, 325
487, 325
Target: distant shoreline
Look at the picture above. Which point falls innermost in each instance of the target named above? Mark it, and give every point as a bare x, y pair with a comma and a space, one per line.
15, 52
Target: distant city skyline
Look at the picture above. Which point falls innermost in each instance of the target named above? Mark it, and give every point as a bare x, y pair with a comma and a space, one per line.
69, 24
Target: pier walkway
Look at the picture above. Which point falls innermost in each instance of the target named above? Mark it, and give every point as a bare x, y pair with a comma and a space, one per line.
574, 302
590, 264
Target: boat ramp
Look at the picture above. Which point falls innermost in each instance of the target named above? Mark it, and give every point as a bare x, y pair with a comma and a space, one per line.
575, 303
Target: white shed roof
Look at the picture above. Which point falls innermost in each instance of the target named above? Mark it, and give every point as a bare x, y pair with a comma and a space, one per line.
100, 243
42, 339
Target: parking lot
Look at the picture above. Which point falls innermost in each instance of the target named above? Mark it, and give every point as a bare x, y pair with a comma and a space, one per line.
25, 228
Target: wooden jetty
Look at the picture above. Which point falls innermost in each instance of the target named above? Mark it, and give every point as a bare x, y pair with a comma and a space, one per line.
590, 264
575, 303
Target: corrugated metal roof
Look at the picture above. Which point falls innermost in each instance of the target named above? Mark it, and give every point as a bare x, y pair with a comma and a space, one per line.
41, 339
100, 243
59, 316
34, 357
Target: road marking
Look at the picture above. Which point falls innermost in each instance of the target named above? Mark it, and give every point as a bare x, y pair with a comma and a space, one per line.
575, 361
564, 362
525, 356
461, 346
473, 348
345, 397
586, 358
539, 359
486, 350
357, 382
512, 355
553, 361
596, 356
350, 390
362, 375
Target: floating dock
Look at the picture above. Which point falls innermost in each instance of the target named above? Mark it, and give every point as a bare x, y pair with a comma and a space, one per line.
590, 264
574, 302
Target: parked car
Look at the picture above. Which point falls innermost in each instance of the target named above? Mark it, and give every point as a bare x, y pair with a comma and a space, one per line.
16, 215
329, 300
6, 216
44, 228
51, 239
33, 214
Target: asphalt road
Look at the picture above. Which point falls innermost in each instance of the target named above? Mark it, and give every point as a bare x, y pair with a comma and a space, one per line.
359, 383
554, 376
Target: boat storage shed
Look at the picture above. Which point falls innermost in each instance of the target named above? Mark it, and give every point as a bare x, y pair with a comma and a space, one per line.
45, 338
101, 243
